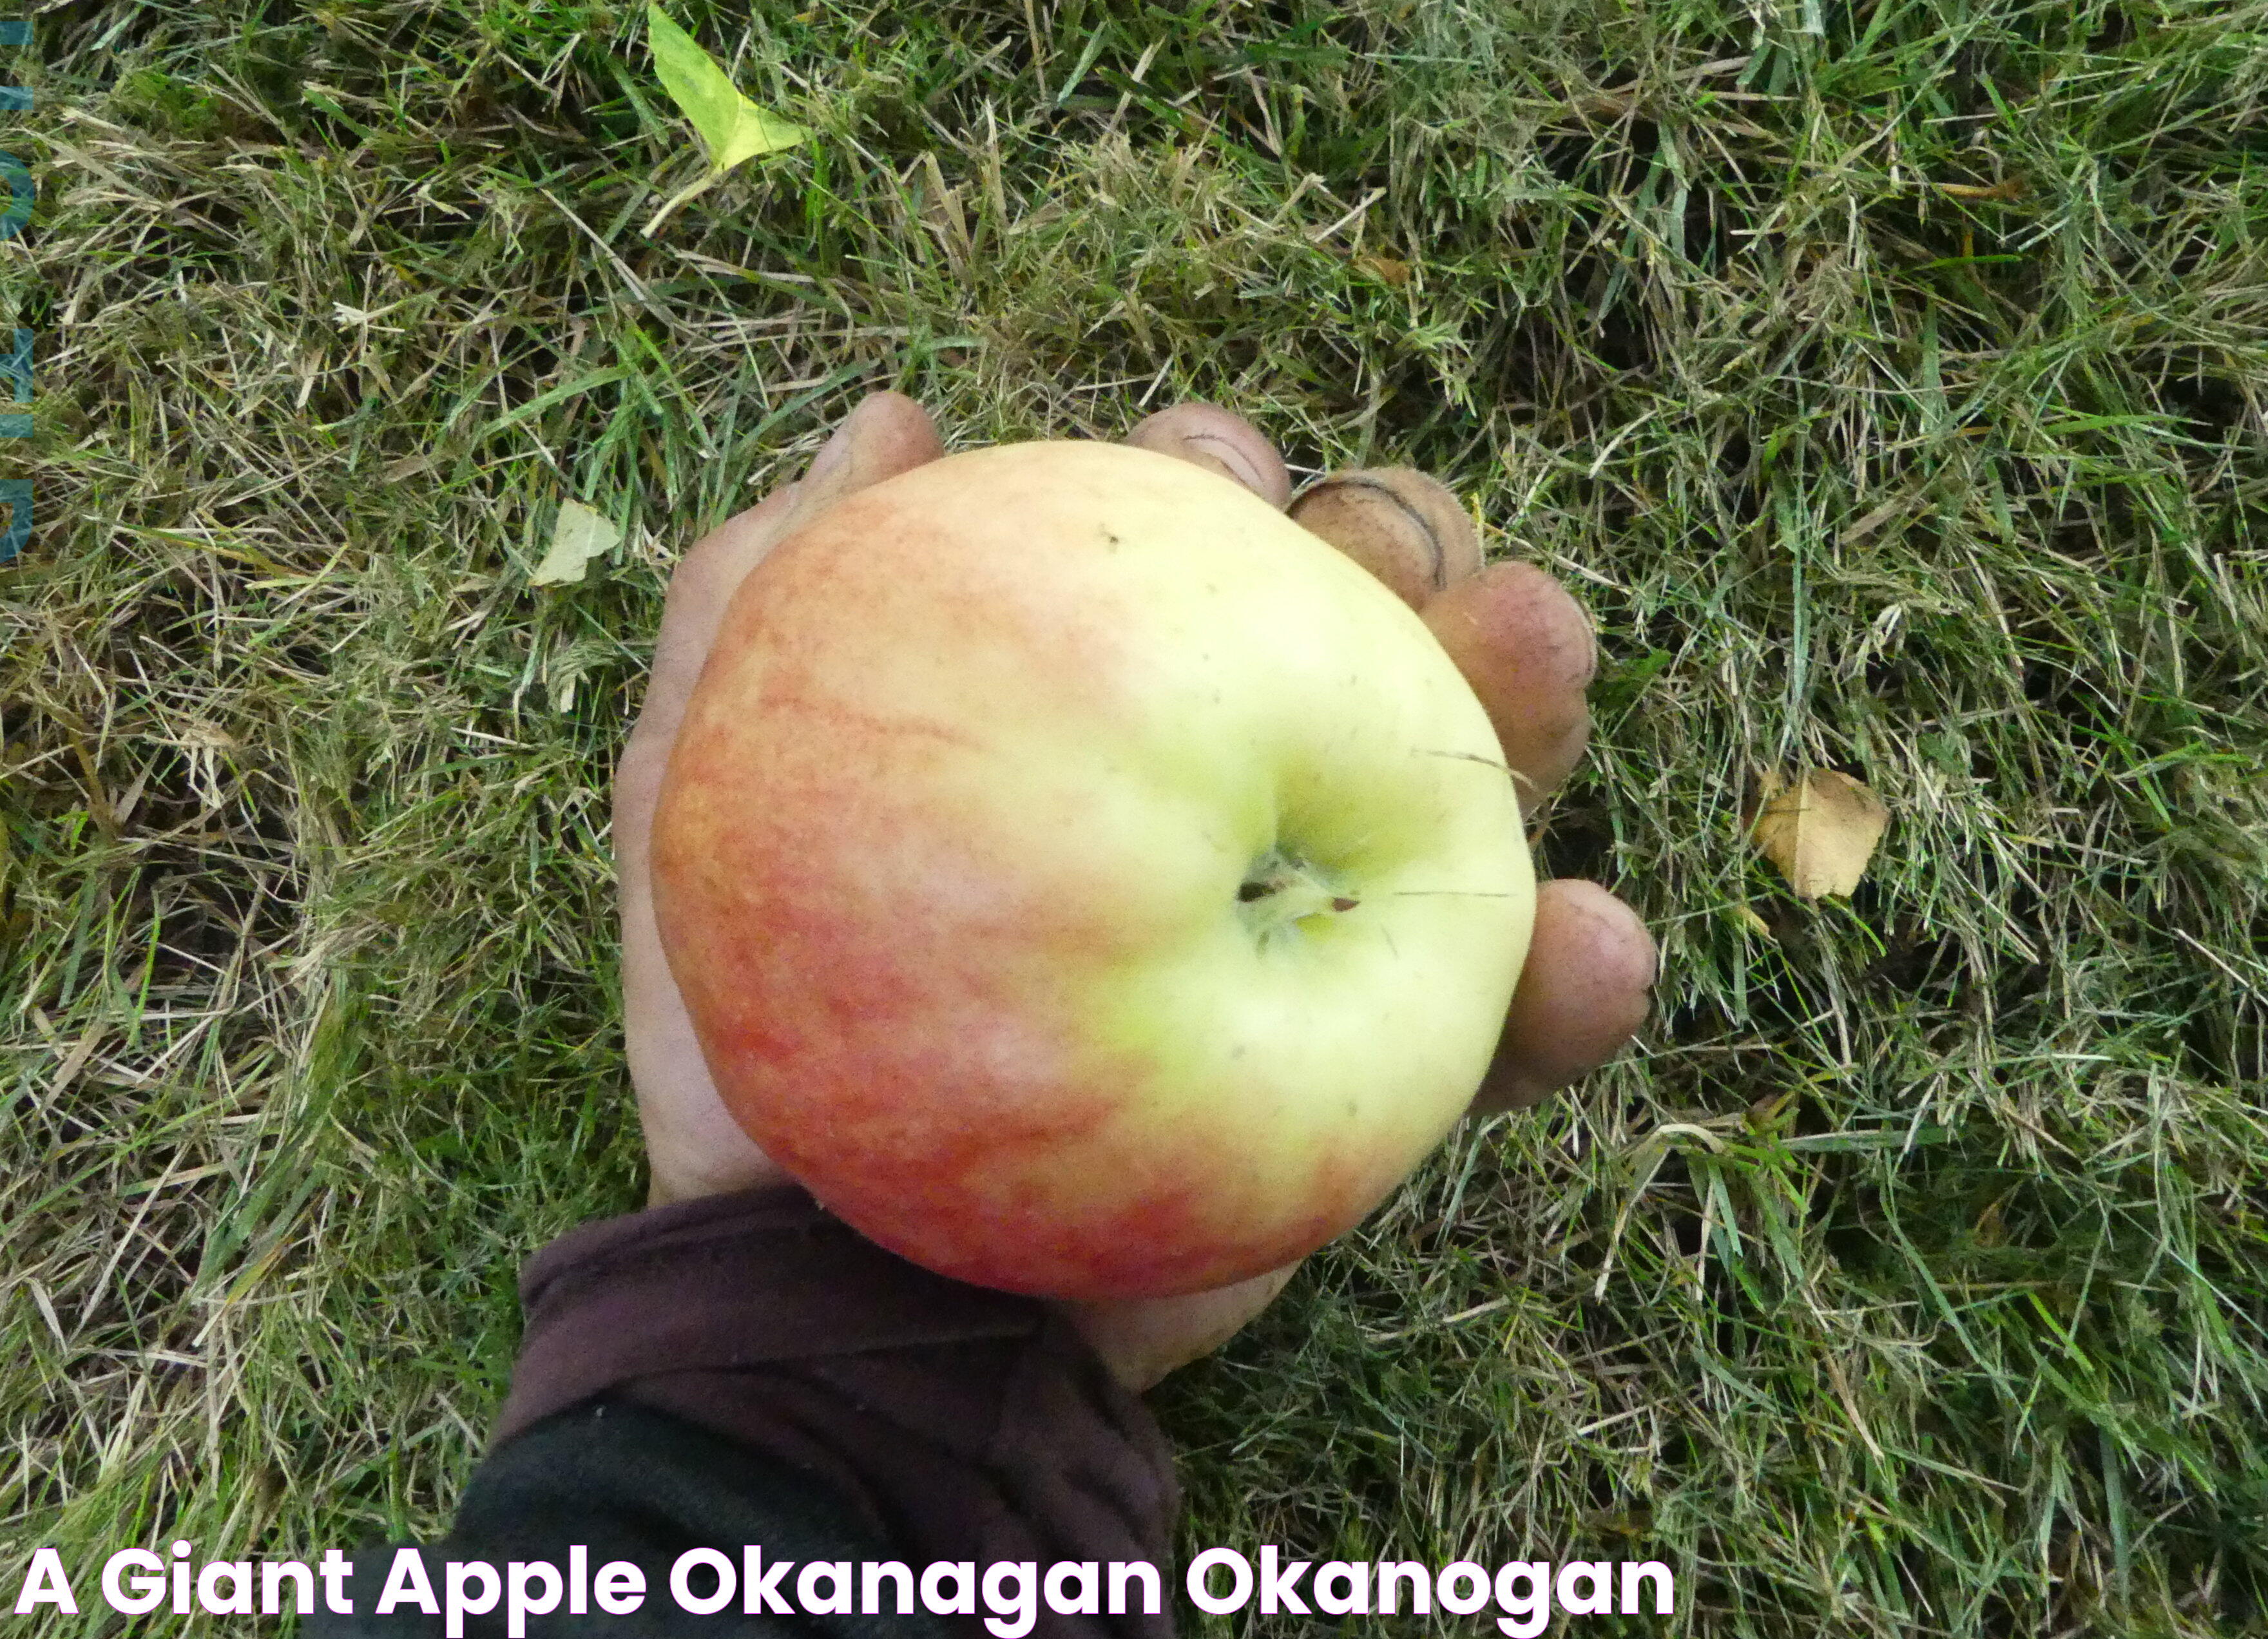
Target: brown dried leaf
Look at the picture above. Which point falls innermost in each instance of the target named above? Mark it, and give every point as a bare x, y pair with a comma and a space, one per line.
1821, 832
2001, 193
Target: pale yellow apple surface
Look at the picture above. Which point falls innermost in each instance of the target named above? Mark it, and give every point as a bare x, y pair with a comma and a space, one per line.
1083, 879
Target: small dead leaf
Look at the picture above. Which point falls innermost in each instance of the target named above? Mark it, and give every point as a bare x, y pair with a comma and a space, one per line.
1990, 1231
1876, 518
579, 535
1821, 832
1608, 105
1386, 267
2002, 192
1753, 923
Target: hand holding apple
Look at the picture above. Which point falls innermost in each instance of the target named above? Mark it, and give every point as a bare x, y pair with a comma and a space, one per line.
1587, 977
1082, 878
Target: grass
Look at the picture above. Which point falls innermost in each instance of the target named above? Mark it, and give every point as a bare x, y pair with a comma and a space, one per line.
1887, 379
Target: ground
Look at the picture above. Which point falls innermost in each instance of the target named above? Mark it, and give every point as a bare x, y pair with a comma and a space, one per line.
1887, 380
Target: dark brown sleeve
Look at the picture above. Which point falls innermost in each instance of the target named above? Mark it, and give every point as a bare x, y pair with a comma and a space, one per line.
956, 1423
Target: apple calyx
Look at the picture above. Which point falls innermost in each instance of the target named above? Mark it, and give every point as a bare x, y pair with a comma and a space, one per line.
1281, 892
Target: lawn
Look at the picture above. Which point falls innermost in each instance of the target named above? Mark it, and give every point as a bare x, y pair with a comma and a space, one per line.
1889, 380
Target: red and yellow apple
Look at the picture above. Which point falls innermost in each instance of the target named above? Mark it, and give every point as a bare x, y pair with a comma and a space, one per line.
1082, 878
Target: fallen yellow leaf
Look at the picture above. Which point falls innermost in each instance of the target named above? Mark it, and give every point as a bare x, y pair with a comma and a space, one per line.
579, 536
1820, 831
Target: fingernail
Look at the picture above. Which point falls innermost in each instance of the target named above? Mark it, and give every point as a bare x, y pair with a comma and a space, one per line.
837, 450
1239, 465
830, 457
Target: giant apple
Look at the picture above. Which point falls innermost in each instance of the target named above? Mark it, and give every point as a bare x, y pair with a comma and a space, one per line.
1082, 878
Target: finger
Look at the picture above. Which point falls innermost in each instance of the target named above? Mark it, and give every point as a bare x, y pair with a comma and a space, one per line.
1405, 527
1220, 442
1526, 648
1585, 991
693, 1147
887, 434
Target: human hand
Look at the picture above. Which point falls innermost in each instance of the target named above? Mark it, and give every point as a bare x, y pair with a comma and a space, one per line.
1521, 642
